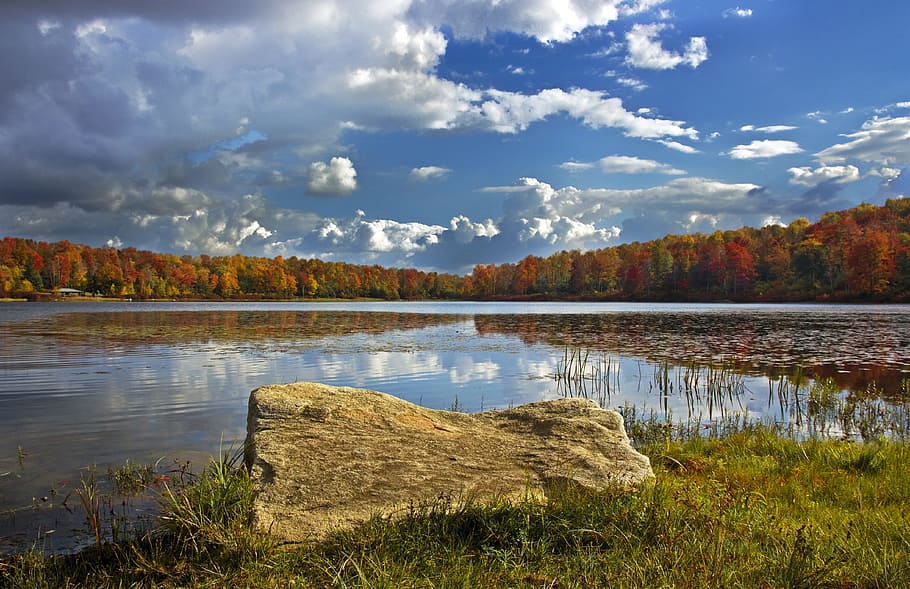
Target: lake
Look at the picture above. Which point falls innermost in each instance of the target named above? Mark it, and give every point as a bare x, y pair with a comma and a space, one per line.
97, 383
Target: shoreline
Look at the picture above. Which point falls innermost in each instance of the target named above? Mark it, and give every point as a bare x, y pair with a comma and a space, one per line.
750, 505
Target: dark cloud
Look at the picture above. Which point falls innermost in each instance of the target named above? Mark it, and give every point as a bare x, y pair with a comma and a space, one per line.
33, 62
208, 175
98, 109
819, 199
167, 11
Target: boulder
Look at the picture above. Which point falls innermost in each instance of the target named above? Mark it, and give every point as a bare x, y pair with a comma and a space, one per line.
326, 458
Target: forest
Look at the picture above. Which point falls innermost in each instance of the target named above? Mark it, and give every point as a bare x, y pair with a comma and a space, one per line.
859, 254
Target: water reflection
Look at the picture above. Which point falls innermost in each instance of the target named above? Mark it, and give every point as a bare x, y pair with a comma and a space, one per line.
855, 349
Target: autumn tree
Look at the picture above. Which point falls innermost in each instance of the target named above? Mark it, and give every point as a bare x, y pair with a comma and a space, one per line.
870, 264
525, 277
740, 267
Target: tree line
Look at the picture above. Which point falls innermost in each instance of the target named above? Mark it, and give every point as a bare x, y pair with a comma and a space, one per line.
857, 254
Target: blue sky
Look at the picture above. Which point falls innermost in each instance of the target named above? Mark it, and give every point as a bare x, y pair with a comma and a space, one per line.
441, 134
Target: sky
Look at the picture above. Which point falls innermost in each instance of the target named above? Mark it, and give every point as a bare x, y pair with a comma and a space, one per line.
439, 134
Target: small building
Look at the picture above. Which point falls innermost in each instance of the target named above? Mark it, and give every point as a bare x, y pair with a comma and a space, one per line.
69, 292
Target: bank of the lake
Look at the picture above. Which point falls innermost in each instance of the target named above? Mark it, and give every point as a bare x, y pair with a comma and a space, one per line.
751, 508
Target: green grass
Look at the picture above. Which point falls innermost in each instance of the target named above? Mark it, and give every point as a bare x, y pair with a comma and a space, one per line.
749, 508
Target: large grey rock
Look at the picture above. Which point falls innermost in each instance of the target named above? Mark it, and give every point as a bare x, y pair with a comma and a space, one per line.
326, 458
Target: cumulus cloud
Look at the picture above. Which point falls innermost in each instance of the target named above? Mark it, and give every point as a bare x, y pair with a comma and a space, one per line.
534, 212
464, 230
391, 98
806, 176
886, 172
624, 164
384, 235
544, 20
421, 101
765, 148
335, 178
510, 112
413, 49
885, 141
356, 239
646, 50
426, 173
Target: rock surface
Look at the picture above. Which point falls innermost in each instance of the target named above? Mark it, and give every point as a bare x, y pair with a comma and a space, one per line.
326, 458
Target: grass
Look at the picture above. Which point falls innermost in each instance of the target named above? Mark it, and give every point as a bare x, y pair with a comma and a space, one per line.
744, 507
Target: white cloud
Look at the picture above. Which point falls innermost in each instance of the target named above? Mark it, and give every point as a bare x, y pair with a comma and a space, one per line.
806, 176
646, 50
905, 104
764, 148
536, 212
545, 20
633, 7
390, 98
624, 164
577, 166
886, 173
425, 173
464, 230
611, 49
336, 178
768, 129
885, 141
359, 239
776, 128
47, 26
633, 83
413, 50
817, 116
384, 235
680, 147
509, 112
737, 12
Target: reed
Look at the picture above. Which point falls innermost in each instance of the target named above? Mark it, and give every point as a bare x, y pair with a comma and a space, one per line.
91, 497
131, 478
714, 396
591, 376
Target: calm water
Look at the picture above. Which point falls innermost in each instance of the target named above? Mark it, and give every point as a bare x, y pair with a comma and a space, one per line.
84, 384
